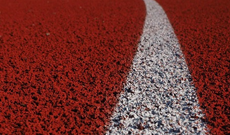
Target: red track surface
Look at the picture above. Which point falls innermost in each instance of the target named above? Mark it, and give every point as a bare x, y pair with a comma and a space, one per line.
203, 29
62, 63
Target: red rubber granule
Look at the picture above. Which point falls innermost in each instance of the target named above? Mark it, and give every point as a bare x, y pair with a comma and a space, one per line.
63, 62
203, 30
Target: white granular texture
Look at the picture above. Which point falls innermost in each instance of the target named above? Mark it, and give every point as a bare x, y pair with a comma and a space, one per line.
159, 97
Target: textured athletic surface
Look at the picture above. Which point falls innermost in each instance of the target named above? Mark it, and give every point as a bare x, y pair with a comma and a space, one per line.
202, 27
62, 62
159, 96
85, 67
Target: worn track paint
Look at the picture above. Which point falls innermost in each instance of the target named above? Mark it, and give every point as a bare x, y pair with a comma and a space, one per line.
159, 96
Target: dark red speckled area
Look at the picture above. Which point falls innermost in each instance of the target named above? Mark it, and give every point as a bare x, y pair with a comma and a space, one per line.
203, 29
63, 62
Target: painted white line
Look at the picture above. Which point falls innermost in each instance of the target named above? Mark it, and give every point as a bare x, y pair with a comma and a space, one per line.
159, 97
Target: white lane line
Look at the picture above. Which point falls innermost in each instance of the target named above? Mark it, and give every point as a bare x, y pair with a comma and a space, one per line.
159, 97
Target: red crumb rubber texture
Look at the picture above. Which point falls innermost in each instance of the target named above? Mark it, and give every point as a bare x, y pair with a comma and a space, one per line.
63, 62
203, 30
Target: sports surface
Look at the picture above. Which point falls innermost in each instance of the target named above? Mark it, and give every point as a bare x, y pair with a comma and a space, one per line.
114, 67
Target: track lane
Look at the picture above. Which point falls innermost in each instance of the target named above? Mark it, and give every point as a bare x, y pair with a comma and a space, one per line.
202, 28
62, 63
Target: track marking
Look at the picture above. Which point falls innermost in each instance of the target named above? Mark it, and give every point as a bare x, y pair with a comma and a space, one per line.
159, 96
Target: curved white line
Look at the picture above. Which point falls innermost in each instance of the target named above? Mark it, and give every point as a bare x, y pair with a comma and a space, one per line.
159, 97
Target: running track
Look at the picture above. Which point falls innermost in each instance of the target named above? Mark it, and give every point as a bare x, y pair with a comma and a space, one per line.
63, 64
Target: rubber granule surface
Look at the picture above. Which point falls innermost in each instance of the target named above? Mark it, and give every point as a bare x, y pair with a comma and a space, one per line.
62, 63
202, 28
159, 97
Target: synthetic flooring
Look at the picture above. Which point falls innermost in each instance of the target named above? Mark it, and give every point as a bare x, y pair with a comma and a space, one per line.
203, 30
159, 96
62, 63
